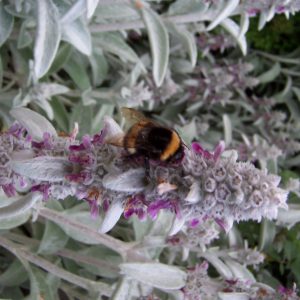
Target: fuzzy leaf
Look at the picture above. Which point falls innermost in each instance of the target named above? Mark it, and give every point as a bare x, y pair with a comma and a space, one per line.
91, 6
103, 255
289, 217
159, 43
271, 74
155, 274
61, 58
130, 181
188, 41
43, 168
35, 124
83, 217
73, 13
78, 34
114, 43
18, 209
14, 275
116, 11
54, 238
234, 30
112, 216
123, 289
6, 24
47, 37
267, 234
181, 7
227, 129
228, 8
233, 296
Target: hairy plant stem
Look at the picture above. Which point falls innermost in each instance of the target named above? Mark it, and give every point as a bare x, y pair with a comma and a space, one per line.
70, 254
104, 239
84, 283
138, 24
126, 250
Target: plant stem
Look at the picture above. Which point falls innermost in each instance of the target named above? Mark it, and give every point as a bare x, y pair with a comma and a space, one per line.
84, 283
138, 24
65, 253
104, 239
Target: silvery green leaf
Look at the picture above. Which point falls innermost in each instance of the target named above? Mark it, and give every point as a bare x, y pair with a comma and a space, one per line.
141, 228
75, 68
228, 8
262, 20
99, 66
48, 90
271, 74
267, 234
219, 265
15, 221
24, 38
227, 129
155, 274
34, 287
74, 12
6, 24
83, 116
111, 217
61, 58
132, 180
286, 90
271, 12
45, 287
159, 43
239, 271
103, 255
182, 66
91, 6
289, 217
123, 289
181, 7
44, 105
187, 40
98, 120
42, 168
82, 217
234, 30
233, 296
114, 43
19, 207
116, 11
14, 275
54, 238
162, 224
78, 34
244, 24
87, 98
47, 38
177, 225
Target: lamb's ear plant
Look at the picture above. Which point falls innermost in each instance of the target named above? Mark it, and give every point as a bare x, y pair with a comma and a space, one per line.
82, 219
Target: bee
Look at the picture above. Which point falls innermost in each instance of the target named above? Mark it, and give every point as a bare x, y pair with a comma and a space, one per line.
149, 139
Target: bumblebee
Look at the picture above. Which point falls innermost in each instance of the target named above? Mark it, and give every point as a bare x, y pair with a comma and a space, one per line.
149, 139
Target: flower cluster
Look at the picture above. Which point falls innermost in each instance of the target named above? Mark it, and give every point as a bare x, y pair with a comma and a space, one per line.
270, 7
203, 186
200, 286
218, 83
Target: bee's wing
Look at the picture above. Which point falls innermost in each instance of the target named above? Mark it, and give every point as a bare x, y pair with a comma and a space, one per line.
133, 116
116, 140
